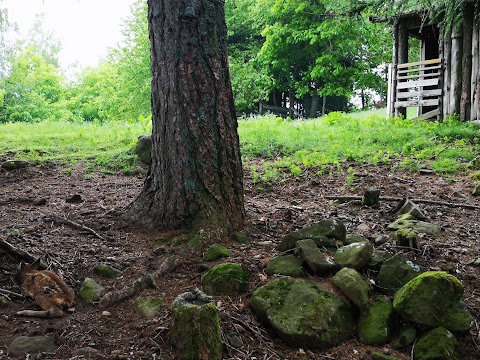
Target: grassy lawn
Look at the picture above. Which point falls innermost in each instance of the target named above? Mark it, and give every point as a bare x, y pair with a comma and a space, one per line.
283, 147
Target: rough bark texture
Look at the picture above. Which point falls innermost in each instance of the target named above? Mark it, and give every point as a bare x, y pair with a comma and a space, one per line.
196, 177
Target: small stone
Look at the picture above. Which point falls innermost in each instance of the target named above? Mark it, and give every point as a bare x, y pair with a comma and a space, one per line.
3, 302
409, 207
226, 279
375, 326
31, 344
235, 341
149, 306
14, 164
240, 238
143, 149
406, 338
448, 267
355, 255
308, 251
74, 199
363, 227
106, 271
265, 243
106, 313
90, 291
355, 238
288, 265
353, 285
382, 356
87, 352
40, 202
438, 343
476, 262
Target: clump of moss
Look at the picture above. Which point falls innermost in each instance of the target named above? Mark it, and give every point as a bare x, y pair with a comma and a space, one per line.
226, 279
216, 251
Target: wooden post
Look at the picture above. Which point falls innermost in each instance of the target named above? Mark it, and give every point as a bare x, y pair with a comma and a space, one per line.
402, 56
441, 56
447, 72
465, 101
390, 91
475, 80
456, 70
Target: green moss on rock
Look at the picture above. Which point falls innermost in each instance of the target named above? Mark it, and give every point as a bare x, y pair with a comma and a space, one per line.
106, 271
355, 255
196, 332
90, 291
226, 279
438, 344
288, 265
353, 285
149, 306
303, 313
375, 326
216, 251
406, 338
434, 298
3, 302
396, 272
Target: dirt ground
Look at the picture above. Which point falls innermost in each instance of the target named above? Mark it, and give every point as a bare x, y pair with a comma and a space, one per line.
272, 211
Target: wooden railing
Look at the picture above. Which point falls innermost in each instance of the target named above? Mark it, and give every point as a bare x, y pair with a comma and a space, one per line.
417, 84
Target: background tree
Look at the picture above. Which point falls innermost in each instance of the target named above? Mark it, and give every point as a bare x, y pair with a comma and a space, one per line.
196, 173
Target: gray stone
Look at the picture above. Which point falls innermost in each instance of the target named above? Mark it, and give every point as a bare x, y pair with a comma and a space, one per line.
23, 345
375, 326
308, 251
329, 228
407, 223
288, 265
106, 271
235, 341
355, 238
434, 298
371, 197
396, 272
303, 313
239, 237
409, 207
377, 259
382, 356
143, 149
438, 343
91, 291
353, 286
355, 255
225, 279
87, 353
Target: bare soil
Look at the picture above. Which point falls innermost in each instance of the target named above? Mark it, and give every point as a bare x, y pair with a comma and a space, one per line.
272, 211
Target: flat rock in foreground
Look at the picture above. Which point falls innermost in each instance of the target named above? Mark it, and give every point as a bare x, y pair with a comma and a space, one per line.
303, 313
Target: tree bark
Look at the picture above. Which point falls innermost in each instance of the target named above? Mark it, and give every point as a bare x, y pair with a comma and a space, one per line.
465, 102
196, 178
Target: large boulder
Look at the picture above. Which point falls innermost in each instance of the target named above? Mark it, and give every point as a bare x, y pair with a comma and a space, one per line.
288, 265
375, 326
355, 255
225, 279
325, 233
396, 272
316, 260
353, 285
434, 298
437, 344
303, 313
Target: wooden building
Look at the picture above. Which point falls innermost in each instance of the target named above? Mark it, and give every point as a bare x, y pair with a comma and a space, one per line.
447, 79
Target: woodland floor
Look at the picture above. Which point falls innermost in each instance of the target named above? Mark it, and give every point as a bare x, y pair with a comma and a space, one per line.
272, 211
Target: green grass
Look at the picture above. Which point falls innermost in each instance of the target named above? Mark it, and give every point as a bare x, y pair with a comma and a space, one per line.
285, 148
107, 146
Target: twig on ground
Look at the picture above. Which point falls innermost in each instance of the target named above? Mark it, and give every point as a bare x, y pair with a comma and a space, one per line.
63, 220
11, 293
149, 280
21, 253
420, 201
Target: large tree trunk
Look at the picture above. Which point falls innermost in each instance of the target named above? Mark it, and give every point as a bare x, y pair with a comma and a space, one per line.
196, 177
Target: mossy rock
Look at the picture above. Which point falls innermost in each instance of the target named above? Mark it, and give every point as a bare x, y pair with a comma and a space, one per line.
239, 237
196, 332
149, 306
4, 302
434, 298
353, 285
143, 149
355, 255
303, 313
226, 279
90, 291
396, 272
106, 271
328, 228
375, 326
316, 260
406, 338
437, 344
377, 259
408, 224
355, 238
288, 265
382, 356
216, 251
